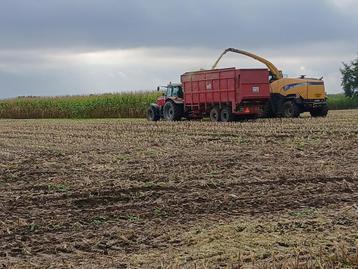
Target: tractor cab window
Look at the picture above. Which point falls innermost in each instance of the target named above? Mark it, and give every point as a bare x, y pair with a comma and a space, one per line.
168, 93
177, 91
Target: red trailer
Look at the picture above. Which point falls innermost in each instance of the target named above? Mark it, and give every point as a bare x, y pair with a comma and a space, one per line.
221, 94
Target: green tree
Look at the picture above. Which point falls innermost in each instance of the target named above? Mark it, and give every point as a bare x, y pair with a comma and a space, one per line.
350, 78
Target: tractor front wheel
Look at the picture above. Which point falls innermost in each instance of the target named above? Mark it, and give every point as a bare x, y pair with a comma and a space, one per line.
153, 113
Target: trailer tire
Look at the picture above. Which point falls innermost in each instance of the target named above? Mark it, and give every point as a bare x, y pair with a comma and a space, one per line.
290, 110
319, 112
172, 111
153, 113
226, 114
215, 114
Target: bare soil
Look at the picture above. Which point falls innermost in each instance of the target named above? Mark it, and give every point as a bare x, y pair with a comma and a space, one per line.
134, 194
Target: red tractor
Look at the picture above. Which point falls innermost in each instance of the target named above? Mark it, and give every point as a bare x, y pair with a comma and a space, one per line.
170, 105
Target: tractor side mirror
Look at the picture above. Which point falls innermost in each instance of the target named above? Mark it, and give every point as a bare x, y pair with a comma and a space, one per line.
158, 88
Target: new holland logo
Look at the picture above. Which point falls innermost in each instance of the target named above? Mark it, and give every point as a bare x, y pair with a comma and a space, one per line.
303, 84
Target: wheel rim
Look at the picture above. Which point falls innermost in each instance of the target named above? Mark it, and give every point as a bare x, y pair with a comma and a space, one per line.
225, 116
215, 115
289, 111
170, 112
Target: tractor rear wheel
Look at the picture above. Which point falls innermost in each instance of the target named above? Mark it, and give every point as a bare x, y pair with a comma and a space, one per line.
215, 114
290, 110
226, 114
153, 113
172, 111
319, 112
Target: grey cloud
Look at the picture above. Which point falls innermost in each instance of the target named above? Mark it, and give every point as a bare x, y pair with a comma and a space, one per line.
41, 39
94, 24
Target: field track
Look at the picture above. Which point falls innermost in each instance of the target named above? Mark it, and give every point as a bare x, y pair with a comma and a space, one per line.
133, 194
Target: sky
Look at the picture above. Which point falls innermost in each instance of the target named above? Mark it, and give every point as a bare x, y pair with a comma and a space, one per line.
70, 47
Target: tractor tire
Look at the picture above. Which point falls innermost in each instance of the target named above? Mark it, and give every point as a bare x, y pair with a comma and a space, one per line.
290, 110
153, 113
226, 114
172, 111
215, 114
319, 112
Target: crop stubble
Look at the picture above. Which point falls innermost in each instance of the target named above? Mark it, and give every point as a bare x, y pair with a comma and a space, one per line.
130, 192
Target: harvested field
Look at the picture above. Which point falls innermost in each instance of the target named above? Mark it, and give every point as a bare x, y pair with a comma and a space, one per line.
135, 194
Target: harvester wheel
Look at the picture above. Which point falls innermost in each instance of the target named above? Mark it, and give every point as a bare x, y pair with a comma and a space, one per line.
172, 111
290, 110
153, 113
226, 114
319, 112
268, 110
215, 114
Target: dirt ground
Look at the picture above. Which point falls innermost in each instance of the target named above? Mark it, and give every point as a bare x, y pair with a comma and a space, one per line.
134, 194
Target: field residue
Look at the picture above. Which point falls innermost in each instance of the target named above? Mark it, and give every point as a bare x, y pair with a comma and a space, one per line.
135, 194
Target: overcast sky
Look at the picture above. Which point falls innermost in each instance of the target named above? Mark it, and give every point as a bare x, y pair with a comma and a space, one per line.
60, 47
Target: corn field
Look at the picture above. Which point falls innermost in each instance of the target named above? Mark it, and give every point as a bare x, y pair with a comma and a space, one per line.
118, 105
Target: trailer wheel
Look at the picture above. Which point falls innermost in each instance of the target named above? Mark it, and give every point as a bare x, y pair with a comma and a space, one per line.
172, 111
290, 110
319, 112
226, 114
153, 113
215, 114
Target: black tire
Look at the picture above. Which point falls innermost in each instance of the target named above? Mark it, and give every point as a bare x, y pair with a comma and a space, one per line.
215, 114
319, 112
268, 110
226, 114
290, 110
153, 113
172, 111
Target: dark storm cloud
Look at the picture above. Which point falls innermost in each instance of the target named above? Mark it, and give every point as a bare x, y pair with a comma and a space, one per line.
90, 24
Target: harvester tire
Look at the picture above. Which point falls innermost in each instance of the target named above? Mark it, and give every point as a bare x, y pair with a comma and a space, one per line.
268, 110
172, 111
226, 114
215, 114
319, 112
153, 113
290, 110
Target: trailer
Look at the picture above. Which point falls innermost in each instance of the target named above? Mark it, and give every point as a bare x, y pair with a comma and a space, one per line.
221, 94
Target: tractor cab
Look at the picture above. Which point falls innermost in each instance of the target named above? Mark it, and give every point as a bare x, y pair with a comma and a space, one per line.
172, 90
